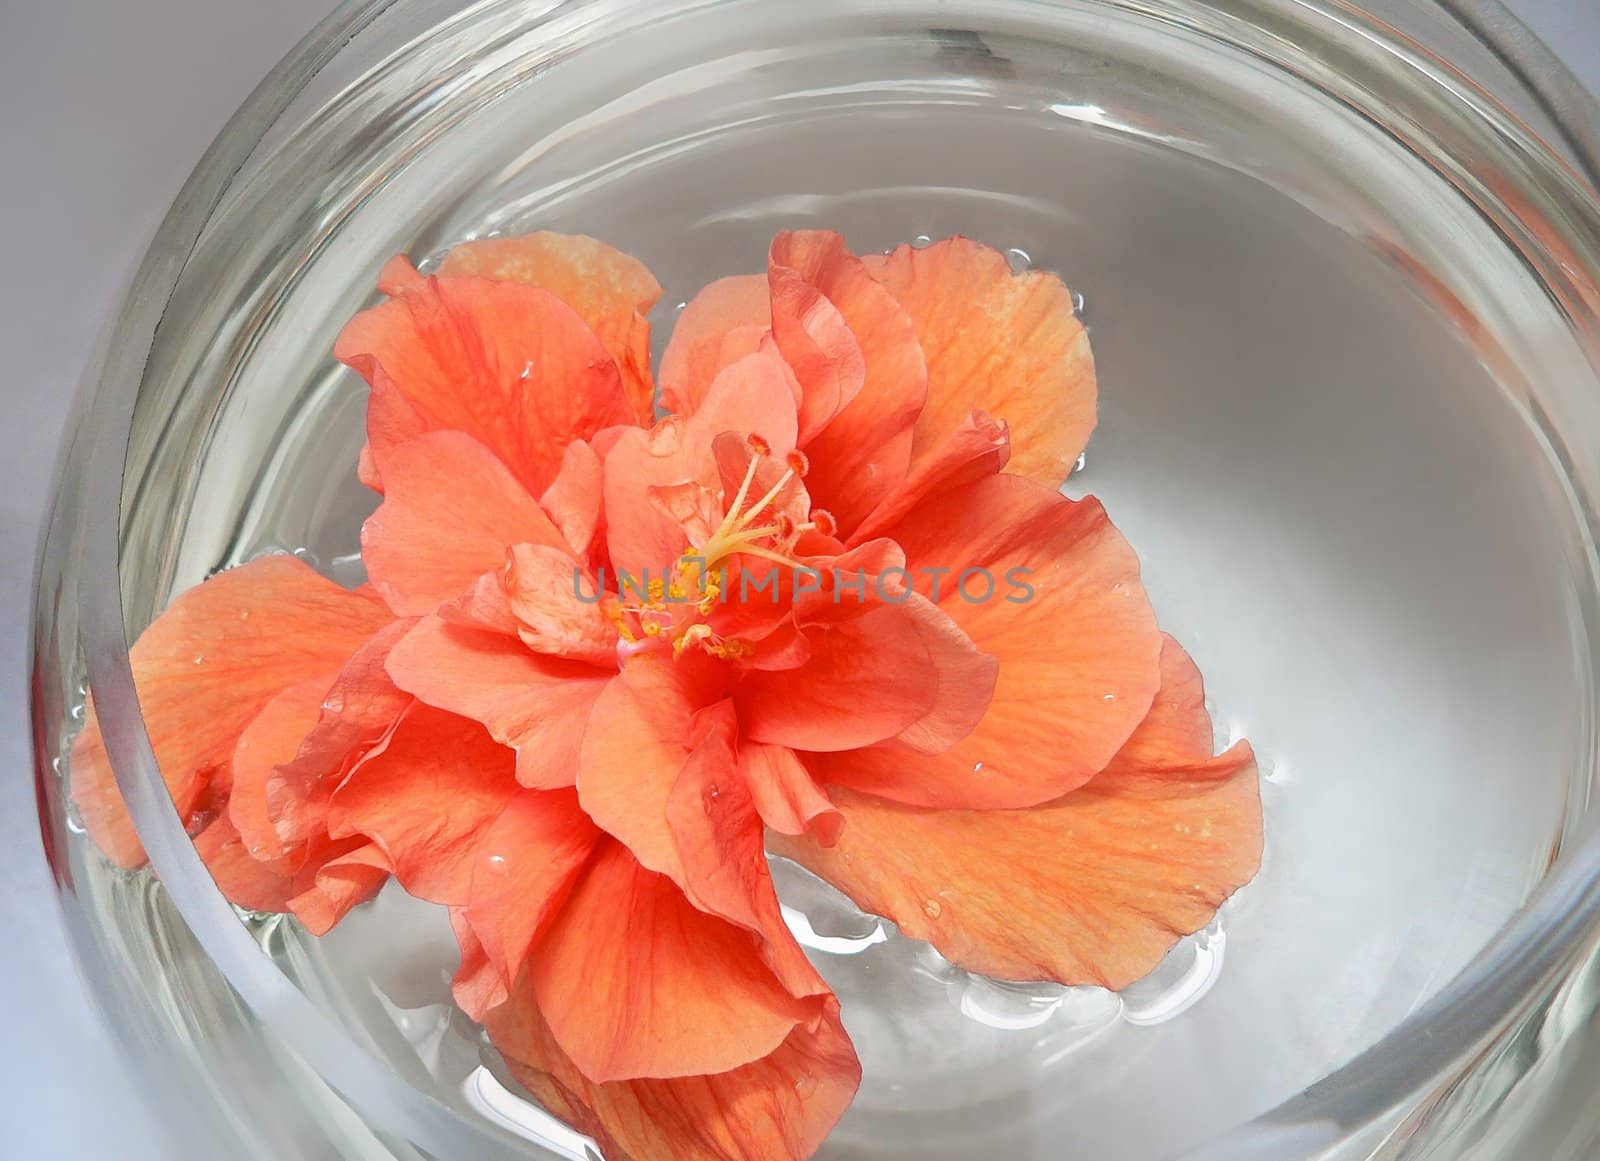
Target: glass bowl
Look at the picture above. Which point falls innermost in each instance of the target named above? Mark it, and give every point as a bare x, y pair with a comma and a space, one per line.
1342, 271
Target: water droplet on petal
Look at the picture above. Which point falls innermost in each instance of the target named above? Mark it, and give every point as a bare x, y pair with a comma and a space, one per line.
199, 657
977, 767
921, 241
933, 908
1019, 260
527, 371
1108, 697
1083, 461
680, 308
1078, 302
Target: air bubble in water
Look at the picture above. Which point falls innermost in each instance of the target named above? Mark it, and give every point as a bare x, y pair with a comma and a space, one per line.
1019, 260
922, 241
1078, 302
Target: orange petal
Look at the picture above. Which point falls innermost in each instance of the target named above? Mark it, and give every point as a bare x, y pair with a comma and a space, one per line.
325, 892
779, 1108
1091, 889
537, 705
477, 985
636, 982
751, 396
319, 879
701, 348
359, 708
785, 795
509, 364
273, 735
865, 681
557, 605
449, 513
391, 421
640, 734
979, 447
526, 865
1010, 344
1078, 657
711, 811
254, 884
816, 342
203, 670
573, 500
864, 450
967, 680
424, 797
610, 290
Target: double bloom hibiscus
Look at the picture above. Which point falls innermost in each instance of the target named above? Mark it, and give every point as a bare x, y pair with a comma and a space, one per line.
589, 774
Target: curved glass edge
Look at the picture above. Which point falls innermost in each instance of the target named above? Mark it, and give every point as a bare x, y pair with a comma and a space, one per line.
1506, 985
83, 540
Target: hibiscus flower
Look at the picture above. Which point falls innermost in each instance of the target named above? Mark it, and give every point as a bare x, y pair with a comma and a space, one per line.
833, 605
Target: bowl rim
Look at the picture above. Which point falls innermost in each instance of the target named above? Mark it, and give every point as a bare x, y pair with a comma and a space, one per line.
1504, 981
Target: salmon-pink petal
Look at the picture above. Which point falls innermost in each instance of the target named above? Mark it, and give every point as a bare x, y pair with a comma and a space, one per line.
712, 813
203, 670
749, 397
273, 736
573, 499
979, 447
785, 795
526, 865
1009, 344
714, 823
477, 985
557, 606
1068, 621
1093, 888
640, 733
325, 892
779, 1107
358, 709
537, 705
450, 511
424, 797
865, 681
817, 344
507, 363
700, 347
391, 422
636, 981
248, 882
967, 679
610, 290
864, 450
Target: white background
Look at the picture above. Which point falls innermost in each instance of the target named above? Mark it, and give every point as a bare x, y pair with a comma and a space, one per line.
105, 105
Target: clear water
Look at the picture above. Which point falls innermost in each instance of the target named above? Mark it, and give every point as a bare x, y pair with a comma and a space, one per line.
1321, 450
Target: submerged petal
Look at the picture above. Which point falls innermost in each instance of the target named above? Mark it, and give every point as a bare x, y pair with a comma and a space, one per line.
507, 363
1091, 889
1010, 344
610, 290
1048, 587
203, 670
